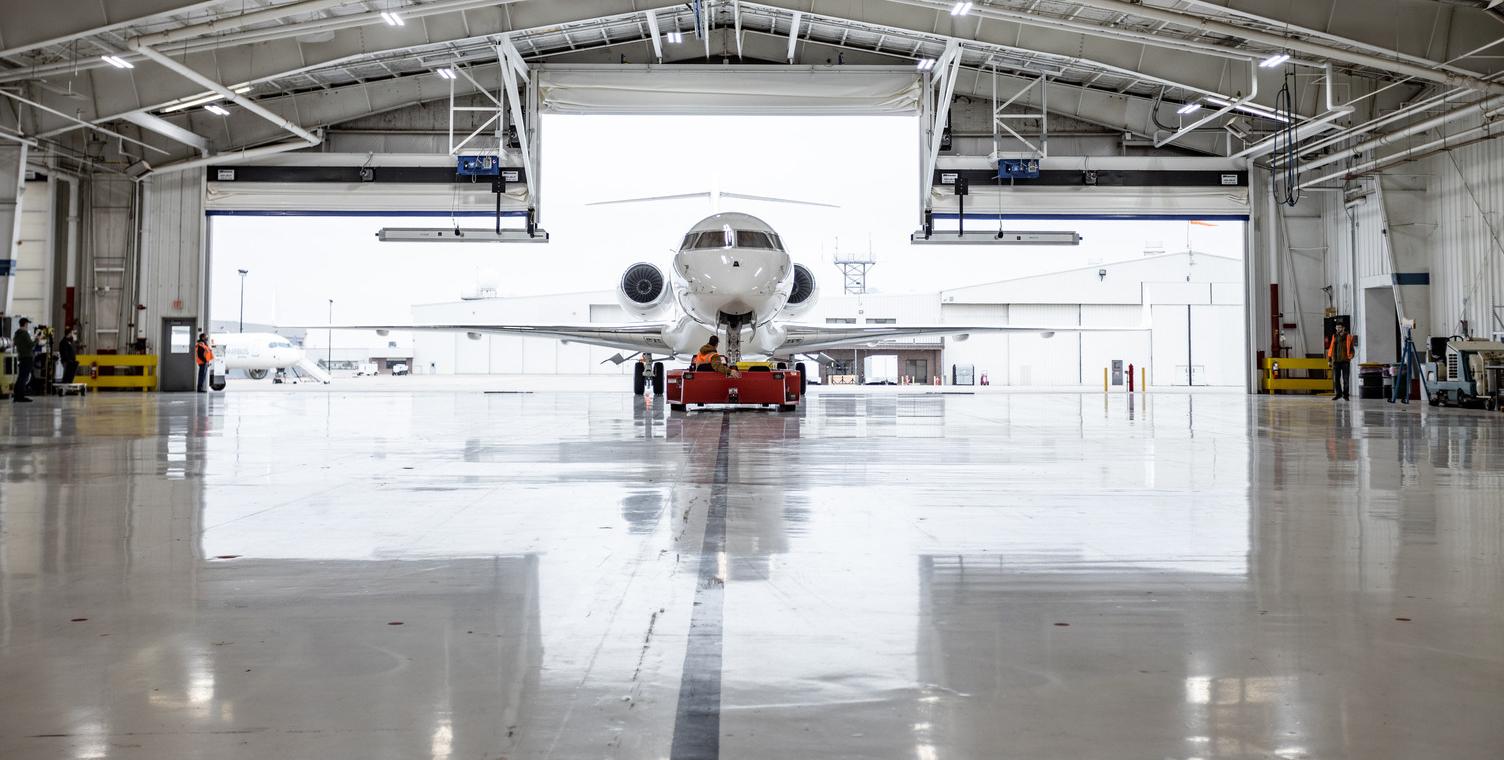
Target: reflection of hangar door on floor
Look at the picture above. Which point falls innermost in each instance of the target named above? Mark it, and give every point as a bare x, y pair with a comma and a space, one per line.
1194, 345
176, 370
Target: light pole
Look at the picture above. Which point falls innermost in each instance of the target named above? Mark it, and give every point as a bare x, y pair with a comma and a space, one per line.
329, 350
243, 273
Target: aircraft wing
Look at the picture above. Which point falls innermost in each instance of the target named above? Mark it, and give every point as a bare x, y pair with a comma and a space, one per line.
635, 336
811, 338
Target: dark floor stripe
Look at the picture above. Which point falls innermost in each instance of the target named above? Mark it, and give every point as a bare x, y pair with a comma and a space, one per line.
697, 724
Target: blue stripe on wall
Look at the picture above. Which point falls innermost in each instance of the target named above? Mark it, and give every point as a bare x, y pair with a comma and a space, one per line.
393, 214
1100, 217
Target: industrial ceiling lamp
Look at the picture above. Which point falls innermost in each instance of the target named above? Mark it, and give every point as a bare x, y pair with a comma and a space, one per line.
960, 9
1274, 60
925, 64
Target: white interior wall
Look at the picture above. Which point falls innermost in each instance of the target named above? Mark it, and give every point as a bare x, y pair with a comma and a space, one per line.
1464, 197
32, 286
173, 262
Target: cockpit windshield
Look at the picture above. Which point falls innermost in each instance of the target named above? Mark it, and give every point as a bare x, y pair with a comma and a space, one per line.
726, 238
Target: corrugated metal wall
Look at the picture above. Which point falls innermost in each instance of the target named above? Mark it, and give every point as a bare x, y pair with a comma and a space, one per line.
1465, 191
172, 248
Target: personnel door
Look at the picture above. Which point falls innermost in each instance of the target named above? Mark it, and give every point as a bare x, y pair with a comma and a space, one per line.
176, 370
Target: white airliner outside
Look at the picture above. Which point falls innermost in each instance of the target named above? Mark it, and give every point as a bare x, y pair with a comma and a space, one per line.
260, 354
731, 276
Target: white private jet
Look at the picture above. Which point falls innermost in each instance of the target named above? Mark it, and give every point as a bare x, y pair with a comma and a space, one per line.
730, 276
260, 354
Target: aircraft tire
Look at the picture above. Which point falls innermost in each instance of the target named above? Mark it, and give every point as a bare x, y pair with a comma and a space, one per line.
803, 379
256, 374
639, 380
659, 377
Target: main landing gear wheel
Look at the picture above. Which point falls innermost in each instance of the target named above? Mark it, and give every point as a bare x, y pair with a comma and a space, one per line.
678, 407
257, 374
659, 377
803, 379
639, 379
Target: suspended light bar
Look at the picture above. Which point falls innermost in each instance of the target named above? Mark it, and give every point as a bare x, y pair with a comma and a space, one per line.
996, 237
960, 9
1274, 60
446, 73
392, 19
1189, 108
925, 64
457, 235
216, 110
1253, 109
191, 103
676, 37
117, 61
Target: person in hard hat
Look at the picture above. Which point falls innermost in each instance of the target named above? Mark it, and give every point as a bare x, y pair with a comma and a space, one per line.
25, 346
203, 353
710, 354
1339, 351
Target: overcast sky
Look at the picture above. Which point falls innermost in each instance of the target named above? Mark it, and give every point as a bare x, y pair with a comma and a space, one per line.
865, 165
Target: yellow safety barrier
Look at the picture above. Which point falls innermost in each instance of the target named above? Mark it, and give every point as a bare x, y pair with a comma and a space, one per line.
135, 371
1282, 383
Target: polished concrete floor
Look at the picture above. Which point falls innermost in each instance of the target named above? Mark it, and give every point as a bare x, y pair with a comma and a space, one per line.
572, 575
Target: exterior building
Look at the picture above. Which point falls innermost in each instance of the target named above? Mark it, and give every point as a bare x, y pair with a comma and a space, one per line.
1193, 301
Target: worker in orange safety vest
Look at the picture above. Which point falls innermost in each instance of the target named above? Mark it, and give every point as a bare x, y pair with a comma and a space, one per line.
1339, 351
709, 354
203, 354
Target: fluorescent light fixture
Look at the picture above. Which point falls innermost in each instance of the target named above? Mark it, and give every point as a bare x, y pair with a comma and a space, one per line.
1274, 60
191, 103
994, 237
676, 37
1253, 109
241, 90
456, 235
1189, 108
216, 110
117, 61
392, 19
925, 64
446, 73
960, 9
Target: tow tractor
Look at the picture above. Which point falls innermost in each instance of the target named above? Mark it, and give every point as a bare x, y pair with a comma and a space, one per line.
758, 384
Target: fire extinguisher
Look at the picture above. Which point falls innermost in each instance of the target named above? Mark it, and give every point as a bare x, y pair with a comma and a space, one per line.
94, 371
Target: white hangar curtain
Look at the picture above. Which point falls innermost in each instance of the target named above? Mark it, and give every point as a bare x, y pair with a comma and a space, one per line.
762, 90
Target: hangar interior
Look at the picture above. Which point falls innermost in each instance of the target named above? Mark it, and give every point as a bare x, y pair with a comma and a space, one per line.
1192, 566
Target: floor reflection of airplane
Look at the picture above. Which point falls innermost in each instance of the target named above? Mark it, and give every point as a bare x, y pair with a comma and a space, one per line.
259, 354
730, 276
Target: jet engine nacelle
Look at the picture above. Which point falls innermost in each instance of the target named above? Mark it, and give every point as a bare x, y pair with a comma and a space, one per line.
803, 293
644, 292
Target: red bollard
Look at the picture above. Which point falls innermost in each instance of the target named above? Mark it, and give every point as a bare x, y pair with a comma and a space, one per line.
1130, 378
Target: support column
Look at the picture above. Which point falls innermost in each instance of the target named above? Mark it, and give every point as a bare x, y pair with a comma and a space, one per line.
12, 185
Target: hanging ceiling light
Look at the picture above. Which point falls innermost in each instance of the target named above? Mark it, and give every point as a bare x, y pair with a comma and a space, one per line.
925, 64
216, 110
116, 61
391, 18
1274, 60
676, 37
960, 9
446, 73
1189, 108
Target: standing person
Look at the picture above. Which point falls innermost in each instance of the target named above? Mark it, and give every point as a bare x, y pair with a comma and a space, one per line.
1339, 351
67, 351
204, 355
25, 347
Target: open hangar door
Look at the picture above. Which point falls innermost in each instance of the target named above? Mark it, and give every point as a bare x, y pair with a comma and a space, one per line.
1163, 243
305, 191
